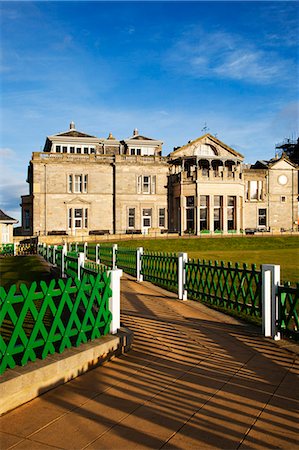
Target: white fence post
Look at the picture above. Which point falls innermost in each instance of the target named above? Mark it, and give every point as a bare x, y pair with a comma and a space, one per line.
81, 259
139, 254
182, 259
114, 301
63, 254
15, 248
85, 249
98, 253
114, 251
270, 283
76, 247
47, 253
54, 254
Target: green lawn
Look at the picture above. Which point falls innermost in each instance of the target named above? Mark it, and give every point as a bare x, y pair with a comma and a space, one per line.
23, 269
246, 249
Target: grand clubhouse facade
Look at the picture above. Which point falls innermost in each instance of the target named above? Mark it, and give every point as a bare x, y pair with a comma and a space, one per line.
82, 185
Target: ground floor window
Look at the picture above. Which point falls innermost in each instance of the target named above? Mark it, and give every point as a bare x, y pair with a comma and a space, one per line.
218, 205
162, 217
147, 218
231, 212
131, 218
262, 219
204, 208
78, 218
190, 223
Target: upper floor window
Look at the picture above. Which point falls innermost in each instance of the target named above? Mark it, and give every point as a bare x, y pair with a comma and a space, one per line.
64, 149
58, 149
78, 149
254, 190
146, 184
77, 183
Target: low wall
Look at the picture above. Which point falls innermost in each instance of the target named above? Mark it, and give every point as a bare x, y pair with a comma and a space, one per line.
22, 384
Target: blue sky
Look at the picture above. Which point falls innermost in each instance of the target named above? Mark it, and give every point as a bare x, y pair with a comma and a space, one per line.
167, 68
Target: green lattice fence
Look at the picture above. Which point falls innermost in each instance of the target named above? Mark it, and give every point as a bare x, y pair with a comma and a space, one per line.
71, 264
288, 310
43, 320
7, 249
80, 247
91, 252
232, 287
106, 255
160, 269
93, 267
126, 260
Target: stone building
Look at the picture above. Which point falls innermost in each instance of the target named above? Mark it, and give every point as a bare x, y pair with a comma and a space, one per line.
81, 185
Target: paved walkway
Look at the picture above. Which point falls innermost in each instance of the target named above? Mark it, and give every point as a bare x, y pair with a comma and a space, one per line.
195, 379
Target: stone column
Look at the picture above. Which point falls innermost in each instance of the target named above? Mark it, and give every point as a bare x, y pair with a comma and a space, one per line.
224, 213
211, 213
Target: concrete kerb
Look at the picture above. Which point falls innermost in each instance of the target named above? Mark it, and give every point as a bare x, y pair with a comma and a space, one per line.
22, 384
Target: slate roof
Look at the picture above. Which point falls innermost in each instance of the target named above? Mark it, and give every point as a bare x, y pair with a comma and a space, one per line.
5, 218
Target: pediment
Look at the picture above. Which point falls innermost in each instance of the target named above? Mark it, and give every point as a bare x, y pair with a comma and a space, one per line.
206, 145
282, 164
77, 200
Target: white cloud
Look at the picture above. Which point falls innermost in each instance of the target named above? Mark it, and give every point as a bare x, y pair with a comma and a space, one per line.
226, 55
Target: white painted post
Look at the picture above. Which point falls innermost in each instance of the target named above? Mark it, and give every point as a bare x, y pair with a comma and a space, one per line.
47, 253
63, 253
139, 253
114, 301
114, 251
98, 253
182, 259
54, 254
81, 259
15, 248
85, 249
270, 283
76, 247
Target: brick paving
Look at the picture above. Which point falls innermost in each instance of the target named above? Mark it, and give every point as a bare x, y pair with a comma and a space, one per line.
194, 379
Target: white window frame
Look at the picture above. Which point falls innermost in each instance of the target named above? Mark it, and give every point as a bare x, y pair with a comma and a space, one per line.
131, 216
148, 187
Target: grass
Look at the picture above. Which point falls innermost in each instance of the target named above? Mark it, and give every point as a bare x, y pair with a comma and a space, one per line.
282, 250
23, 269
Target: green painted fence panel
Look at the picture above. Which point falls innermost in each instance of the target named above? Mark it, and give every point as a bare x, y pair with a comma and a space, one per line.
7, 249
39, 321
232, 286
126, 260
160, 269
288, 310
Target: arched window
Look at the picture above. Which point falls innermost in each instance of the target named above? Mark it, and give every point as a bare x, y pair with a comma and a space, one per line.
205, 150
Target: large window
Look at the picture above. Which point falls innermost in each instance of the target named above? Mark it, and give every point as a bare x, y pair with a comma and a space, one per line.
78, 218
146, 184
162, 217
77, 183
218, 205
131, 218
231, 212
204, 210
262, 217
190, 213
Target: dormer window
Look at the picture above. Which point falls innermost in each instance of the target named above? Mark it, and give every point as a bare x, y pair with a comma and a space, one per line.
58, 149
78, 150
